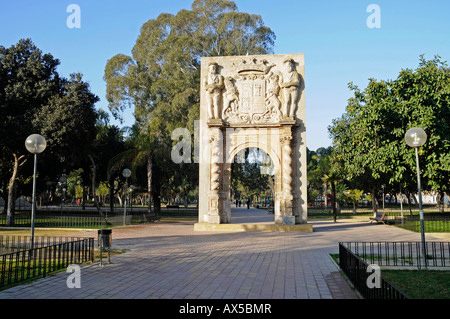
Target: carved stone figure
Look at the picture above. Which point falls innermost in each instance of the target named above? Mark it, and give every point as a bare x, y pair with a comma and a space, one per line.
290, 84
214, 84
231, 97
273, 104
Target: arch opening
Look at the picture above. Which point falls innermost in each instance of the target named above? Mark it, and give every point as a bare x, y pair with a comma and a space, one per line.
252, 187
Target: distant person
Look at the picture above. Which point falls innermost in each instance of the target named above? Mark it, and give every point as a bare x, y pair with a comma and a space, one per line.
248, 203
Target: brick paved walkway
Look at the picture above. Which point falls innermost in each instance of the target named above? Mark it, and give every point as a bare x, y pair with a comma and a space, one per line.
170, 260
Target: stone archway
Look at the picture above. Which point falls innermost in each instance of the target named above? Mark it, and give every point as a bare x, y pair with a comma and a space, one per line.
227, 175
252, 101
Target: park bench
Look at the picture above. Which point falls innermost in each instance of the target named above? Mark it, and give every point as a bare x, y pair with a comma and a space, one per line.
378, 217
151, 217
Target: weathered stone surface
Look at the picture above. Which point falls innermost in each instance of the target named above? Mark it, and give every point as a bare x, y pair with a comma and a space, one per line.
253, 101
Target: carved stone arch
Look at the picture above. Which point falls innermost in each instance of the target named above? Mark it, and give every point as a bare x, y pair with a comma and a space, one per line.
276, 160
266, 148
243, 103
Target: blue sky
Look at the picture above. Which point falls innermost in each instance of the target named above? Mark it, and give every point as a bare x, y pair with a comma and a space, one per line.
338, 45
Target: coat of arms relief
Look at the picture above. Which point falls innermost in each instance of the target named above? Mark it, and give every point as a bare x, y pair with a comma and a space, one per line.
256, 92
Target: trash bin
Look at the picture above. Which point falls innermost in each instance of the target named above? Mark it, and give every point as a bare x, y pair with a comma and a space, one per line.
105, 238
104, 241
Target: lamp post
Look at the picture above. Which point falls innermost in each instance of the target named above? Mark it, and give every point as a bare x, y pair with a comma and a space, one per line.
126, 173
35, 144
416, 137
131, 198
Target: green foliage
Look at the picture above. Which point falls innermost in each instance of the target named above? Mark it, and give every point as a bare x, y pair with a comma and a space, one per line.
369, 137
68, 122
161, 79
35, 99
28, 79
252, 173
353, 195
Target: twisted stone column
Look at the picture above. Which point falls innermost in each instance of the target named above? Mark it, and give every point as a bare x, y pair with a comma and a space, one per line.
215, 166
214, 214
287, 165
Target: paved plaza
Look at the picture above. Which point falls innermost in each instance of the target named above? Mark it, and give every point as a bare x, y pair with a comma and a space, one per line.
169, 260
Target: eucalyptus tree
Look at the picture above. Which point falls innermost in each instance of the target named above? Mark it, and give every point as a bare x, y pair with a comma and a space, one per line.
160, 80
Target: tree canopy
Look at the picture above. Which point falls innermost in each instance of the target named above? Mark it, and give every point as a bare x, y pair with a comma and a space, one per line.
369, 137
35, 99
160, 80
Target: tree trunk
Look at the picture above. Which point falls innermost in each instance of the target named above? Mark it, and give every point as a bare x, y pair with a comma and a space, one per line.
409, 203
440, 201
149, 182
333, 200
374, 201
111, 196
94, 176
83, 206
11, 206
12, 186
156, 199
5, 196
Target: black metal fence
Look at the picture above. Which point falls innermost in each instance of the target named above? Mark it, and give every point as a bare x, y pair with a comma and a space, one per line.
10, 243
358, 272
402, 254
89, 218
437, 222
67, 219
25, 264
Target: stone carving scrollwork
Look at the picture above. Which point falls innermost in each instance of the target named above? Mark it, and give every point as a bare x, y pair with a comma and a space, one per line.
256, 94
252, 95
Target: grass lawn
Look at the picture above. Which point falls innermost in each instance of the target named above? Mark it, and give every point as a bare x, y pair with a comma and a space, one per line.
420, 284
417, 284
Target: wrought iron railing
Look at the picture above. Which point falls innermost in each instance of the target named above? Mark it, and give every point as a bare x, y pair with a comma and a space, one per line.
433, 222
89, 219
402, 254
358, 272
25, 264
